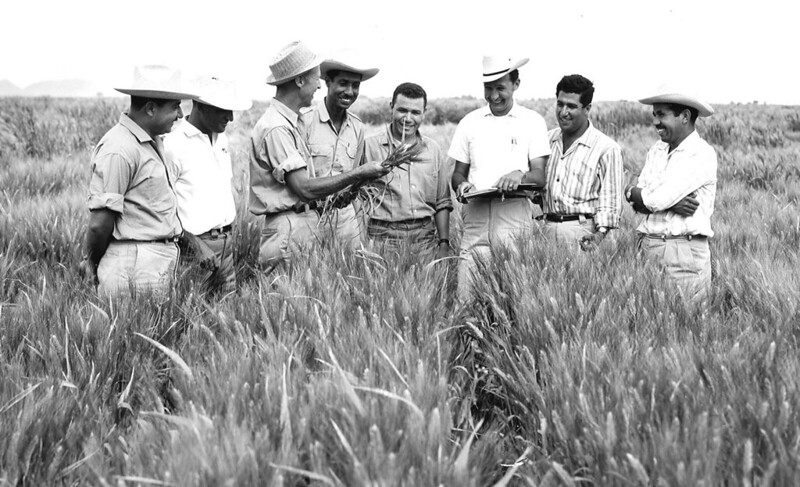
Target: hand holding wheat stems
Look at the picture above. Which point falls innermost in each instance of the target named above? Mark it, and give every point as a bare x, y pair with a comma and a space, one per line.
404, 154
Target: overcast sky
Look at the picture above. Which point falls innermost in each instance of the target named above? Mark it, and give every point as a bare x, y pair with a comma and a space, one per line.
629, 48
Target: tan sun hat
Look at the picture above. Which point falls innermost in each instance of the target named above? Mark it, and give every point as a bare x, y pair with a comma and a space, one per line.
495, 67
703, 108
157, 82
222, 94
294, 59
331, 64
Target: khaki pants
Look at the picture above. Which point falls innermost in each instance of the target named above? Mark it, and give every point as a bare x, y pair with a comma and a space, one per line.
686, 262
344, 226
223, 278
284, 235
569, 233
417, 237
489, 222
128, 265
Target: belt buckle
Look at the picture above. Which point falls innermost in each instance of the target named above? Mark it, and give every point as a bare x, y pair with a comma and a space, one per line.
214, 233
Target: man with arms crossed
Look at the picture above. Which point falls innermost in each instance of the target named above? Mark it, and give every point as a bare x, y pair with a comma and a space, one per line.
133, 220
334, 135
500, 145
583, 196
197, 151
675, 191
414, 205
282, 188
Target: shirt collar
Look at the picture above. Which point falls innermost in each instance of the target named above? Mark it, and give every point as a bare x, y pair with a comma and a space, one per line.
325, 116
134, 128
687, 142
514, 112
387, 137
287, 113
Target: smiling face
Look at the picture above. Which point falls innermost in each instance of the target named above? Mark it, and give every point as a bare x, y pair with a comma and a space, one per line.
671, 128
212, 119
308, 86
164, 116
343, 89
572, 115
407, 115
500, 95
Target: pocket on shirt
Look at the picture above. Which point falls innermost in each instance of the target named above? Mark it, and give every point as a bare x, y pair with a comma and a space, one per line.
153, 191
321, 157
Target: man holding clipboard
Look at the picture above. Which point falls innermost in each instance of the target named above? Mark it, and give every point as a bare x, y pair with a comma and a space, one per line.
498, 146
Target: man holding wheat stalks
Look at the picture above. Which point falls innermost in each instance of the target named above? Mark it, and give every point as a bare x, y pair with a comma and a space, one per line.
412, 206
675, 192
496, 148
133, 220
334, 135
583, 196
282, 188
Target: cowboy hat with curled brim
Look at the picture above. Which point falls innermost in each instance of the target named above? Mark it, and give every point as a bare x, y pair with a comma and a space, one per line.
293, 60
703, 108
495, 67
222, 94
157, 82
331, 64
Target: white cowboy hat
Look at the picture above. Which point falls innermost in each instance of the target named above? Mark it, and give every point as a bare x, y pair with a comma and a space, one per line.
703, 108
495, 67
157, 82
294, 59
221, 94
331, 64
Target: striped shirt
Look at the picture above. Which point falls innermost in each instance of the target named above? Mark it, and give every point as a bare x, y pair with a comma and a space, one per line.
587, 179
668, 177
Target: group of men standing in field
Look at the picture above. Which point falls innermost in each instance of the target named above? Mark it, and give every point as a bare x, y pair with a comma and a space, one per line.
308, 166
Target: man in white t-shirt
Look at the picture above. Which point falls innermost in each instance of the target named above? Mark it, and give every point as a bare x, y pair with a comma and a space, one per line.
198, 155
497, 146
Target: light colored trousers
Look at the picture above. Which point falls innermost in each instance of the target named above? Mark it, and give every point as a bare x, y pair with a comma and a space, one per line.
417, 237
284, 235
344, 226
138, 265
489, 222
569, 233
686, 262
223, 278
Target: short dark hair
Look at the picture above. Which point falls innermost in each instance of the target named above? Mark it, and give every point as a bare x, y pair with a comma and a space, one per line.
677, 108
138, 102
410, 90
514, 75
575, 83
331, 73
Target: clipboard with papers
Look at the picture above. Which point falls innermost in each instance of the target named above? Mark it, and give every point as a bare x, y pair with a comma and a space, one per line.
522, 190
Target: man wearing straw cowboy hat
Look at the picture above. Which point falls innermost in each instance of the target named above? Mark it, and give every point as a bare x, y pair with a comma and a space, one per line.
197, 152
334, 135
133, 220
497, 146
675, 191
281, 186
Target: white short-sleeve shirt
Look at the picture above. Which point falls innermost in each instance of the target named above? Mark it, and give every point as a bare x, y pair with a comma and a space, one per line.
495, 146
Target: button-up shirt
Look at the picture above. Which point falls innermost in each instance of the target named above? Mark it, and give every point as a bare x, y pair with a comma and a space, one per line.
420, 191
278, 146
130, 178
586, 179
203, 177
667, 177
495, 146
332, 152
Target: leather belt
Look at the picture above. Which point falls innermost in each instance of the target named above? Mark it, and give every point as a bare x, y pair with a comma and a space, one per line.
304, 207
216, 233
413, 222
658, 236
554, 217
160, 240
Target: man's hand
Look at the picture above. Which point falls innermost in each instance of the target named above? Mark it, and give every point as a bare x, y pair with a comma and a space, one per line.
443, 250
373, 170
589, 243
463, 189
203, 254
687, 206
510, 181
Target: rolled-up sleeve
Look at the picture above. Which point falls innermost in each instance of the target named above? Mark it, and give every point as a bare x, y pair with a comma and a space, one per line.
540, 141
609, 204
111, 176
459, 146
282, 153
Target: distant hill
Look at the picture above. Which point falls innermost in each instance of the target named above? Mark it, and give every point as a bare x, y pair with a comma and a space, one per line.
66, 88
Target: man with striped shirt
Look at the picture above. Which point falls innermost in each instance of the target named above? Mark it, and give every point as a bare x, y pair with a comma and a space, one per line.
583, 195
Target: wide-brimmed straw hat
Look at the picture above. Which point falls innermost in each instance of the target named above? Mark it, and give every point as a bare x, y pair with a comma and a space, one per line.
331, 64
222, 94
294, 59
157, 82
495, 67
703, 108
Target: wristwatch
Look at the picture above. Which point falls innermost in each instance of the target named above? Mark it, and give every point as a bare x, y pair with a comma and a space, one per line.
444, 240
628, 193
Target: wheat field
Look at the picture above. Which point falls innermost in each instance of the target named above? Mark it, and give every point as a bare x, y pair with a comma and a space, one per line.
359, 369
